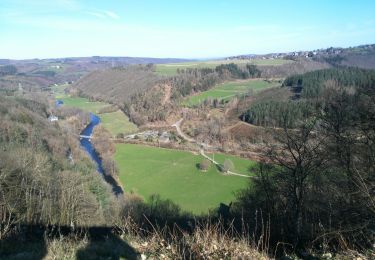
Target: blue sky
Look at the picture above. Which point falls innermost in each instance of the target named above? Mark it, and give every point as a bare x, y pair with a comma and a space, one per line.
178, 28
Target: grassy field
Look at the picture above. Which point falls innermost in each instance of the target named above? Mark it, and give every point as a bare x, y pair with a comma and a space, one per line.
84, 104
59, 91
117, 122
230, 89
171, 68
174, 175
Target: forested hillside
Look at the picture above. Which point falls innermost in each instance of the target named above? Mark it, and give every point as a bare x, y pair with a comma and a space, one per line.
362, 56
117, 85
143, 95
313, 83
309, 90
38, 183
319, 188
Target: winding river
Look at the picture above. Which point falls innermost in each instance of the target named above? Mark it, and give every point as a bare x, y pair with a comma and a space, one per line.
89, 148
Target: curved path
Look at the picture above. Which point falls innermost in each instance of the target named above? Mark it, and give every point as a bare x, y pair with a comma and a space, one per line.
189, 139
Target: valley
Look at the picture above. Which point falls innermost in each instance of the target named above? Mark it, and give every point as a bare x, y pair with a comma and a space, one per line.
233, 131
146, 170
175, 175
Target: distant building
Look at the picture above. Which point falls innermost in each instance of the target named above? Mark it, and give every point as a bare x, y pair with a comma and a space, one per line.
164, 137
53, 118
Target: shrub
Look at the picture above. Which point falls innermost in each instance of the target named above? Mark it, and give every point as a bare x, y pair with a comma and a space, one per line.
228, 165
204, 165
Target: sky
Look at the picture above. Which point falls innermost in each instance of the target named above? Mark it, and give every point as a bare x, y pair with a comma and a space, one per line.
180, 28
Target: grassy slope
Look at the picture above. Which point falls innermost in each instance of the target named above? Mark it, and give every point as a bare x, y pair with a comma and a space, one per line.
174, 175
115, 122
83, 103
228, 90
171, 69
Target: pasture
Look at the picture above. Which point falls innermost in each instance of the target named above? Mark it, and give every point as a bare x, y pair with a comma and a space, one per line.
83, 103
171, 68
117, 122
228, 90
175, 175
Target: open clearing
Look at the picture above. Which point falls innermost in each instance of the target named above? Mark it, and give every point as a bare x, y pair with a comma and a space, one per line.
84, 104
171, 68
174, 175
115, 122
226, 91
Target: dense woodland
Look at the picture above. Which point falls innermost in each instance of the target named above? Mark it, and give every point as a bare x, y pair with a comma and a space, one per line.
38, 184
313, 83
309, 90
319, 189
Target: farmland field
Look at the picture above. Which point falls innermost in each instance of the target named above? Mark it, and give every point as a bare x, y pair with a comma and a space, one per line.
117, 122
171, 68
228, 90
84, 104
174, 175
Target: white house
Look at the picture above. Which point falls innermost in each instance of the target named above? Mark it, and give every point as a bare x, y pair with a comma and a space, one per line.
53, 118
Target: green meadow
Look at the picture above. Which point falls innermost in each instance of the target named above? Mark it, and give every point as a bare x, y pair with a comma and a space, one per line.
228, 90
84, 104
175, 175
115, 122
171, 68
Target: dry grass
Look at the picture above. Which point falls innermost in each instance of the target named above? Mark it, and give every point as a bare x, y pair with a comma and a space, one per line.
207, 241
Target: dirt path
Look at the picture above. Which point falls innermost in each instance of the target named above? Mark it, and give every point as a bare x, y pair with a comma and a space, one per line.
220, 166
189, 139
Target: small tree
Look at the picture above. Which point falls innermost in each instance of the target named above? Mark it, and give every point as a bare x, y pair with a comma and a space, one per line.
228, 165
204, 165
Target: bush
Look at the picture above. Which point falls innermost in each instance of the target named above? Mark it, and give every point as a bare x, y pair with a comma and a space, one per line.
120, 136
204, 165
228, 165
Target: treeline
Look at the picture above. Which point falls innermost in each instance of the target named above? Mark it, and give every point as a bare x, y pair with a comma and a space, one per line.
313, 83
189, 81
299, 66
274, 113
117, 85
8, 70
45, 177
141, 94
318, 192
310, 90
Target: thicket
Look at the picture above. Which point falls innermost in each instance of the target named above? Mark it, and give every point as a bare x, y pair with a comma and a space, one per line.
8, 70
274, 113
192, 80
318, 192
39, 184
310, 91
313, 83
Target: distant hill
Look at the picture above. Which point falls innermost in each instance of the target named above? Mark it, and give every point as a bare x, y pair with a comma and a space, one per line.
117, 85
59, 70
362, 56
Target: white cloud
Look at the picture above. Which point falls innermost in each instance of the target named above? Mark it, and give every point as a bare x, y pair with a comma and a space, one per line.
103, 14
111, 14
96, 14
